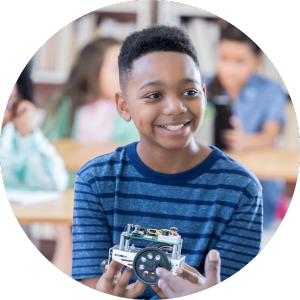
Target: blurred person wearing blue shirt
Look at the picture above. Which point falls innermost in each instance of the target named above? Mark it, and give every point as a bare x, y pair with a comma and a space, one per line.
258, 104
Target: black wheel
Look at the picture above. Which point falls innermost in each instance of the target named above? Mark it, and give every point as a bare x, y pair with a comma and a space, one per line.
147, 261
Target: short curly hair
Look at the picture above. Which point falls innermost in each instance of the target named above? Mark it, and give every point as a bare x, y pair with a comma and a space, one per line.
149, 40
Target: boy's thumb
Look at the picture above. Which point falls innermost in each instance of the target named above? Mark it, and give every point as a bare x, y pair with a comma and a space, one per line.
212, 268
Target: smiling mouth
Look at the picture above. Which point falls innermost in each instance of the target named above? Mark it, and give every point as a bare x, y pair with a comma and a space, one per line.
177, 127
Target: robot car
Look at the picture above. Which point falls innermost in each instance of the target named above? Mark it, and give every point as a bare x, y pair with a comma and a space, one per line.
164, 251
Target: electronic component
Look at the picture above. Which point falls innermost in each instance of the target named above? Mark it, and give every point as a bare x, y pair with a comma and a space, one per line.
164, 251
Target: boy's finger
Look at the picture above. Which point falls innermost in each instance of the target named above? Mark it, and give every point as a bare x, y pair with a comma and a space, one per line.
212, 268
168, 281
188, 275
123, 282
167, 276
112, 270
136, 291
156, 288
167, 290
158, 291
191, 269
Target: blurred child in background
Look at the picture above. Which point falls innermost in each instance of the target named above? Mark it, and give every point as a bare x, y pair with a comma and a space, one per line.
258, 103
85, 110
28, 159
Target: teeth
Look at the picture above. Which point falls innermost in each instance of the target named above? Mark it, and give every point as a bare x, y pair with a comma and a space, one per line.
173, 127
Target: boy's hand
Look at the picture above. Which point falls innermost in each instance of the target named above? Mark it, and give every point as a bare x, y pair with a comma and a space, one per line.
114, 283
171, 286
190, 274
181, 271
23, 116
235, 139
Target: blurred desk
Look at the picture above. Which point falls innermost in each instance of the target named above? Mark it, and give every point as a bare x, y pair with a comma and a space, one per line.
57, 211
270, 163
265, 164
76, 155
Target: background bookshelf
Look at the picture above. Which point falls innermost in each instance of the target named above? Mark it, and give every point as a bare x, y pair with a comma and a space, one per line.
53, 61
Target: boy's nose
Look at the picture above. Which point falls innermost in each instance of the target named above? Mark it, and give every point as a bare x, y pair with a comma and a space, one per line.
173, 106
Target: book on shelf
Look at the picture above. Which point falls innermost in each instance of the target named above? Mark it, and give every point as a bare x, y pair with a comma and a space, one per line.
52, 61
205, 36
85, 30
110, 27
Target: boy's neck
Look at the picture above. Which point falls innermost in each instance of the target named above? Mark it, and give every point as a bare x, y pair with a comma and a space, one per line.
175, 161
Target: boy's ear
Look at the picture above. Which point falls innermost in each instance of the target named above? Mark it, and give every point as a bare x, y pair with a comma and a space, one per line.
122, 106
204, 91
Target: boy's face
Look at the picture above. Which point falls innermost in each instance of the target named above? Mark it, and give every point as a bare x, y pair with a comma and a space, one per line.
236, 62
165, 99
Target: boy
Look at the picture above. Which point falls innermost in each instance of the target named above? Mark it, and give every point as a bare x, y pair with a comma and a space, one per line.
167, 179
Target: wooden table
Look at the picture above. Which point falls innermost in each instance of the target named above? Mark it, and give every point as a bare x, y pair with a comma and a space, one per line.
76, 155
57, 211
271, 163
265, 164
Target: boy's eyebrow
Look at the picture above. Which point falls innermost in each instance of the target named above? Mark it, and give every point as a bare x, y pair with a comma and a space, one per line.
160, 83
188, 80
153, 83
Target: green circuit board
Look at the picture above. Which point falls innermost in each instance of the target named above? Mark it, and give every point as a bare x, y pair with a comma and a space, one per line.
149, 238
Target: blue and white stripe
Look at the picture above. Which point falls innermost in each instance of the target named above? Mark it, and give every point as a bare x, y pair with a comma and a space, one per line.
216, 205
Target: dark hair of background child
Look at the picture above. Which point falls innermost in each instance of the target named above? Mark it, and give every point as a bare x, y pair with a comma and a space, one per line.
149, 40
231, 33
25, 84
83, 81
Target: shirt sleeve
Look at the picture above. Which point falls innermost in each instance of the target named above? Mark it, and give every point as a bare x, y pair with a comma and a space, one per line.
56, 125
90, 232
276, 107
241, 238
32, 161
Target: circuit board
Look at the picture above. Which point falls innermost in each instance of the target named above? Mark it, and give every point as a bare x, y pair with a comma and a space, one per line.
173, 239
164, 251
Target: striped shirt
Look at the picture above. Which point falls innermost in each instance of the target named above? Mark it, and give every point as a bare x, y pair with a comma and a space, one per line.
215, 205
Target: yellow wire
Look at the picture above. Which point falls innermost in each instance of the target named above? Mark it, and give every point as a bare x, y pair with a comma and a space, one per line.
156, 231
159, 231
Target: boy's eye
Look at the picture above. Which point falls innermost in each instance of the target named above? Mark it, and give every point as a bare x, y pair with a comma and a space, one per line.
190, 93
153, 96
